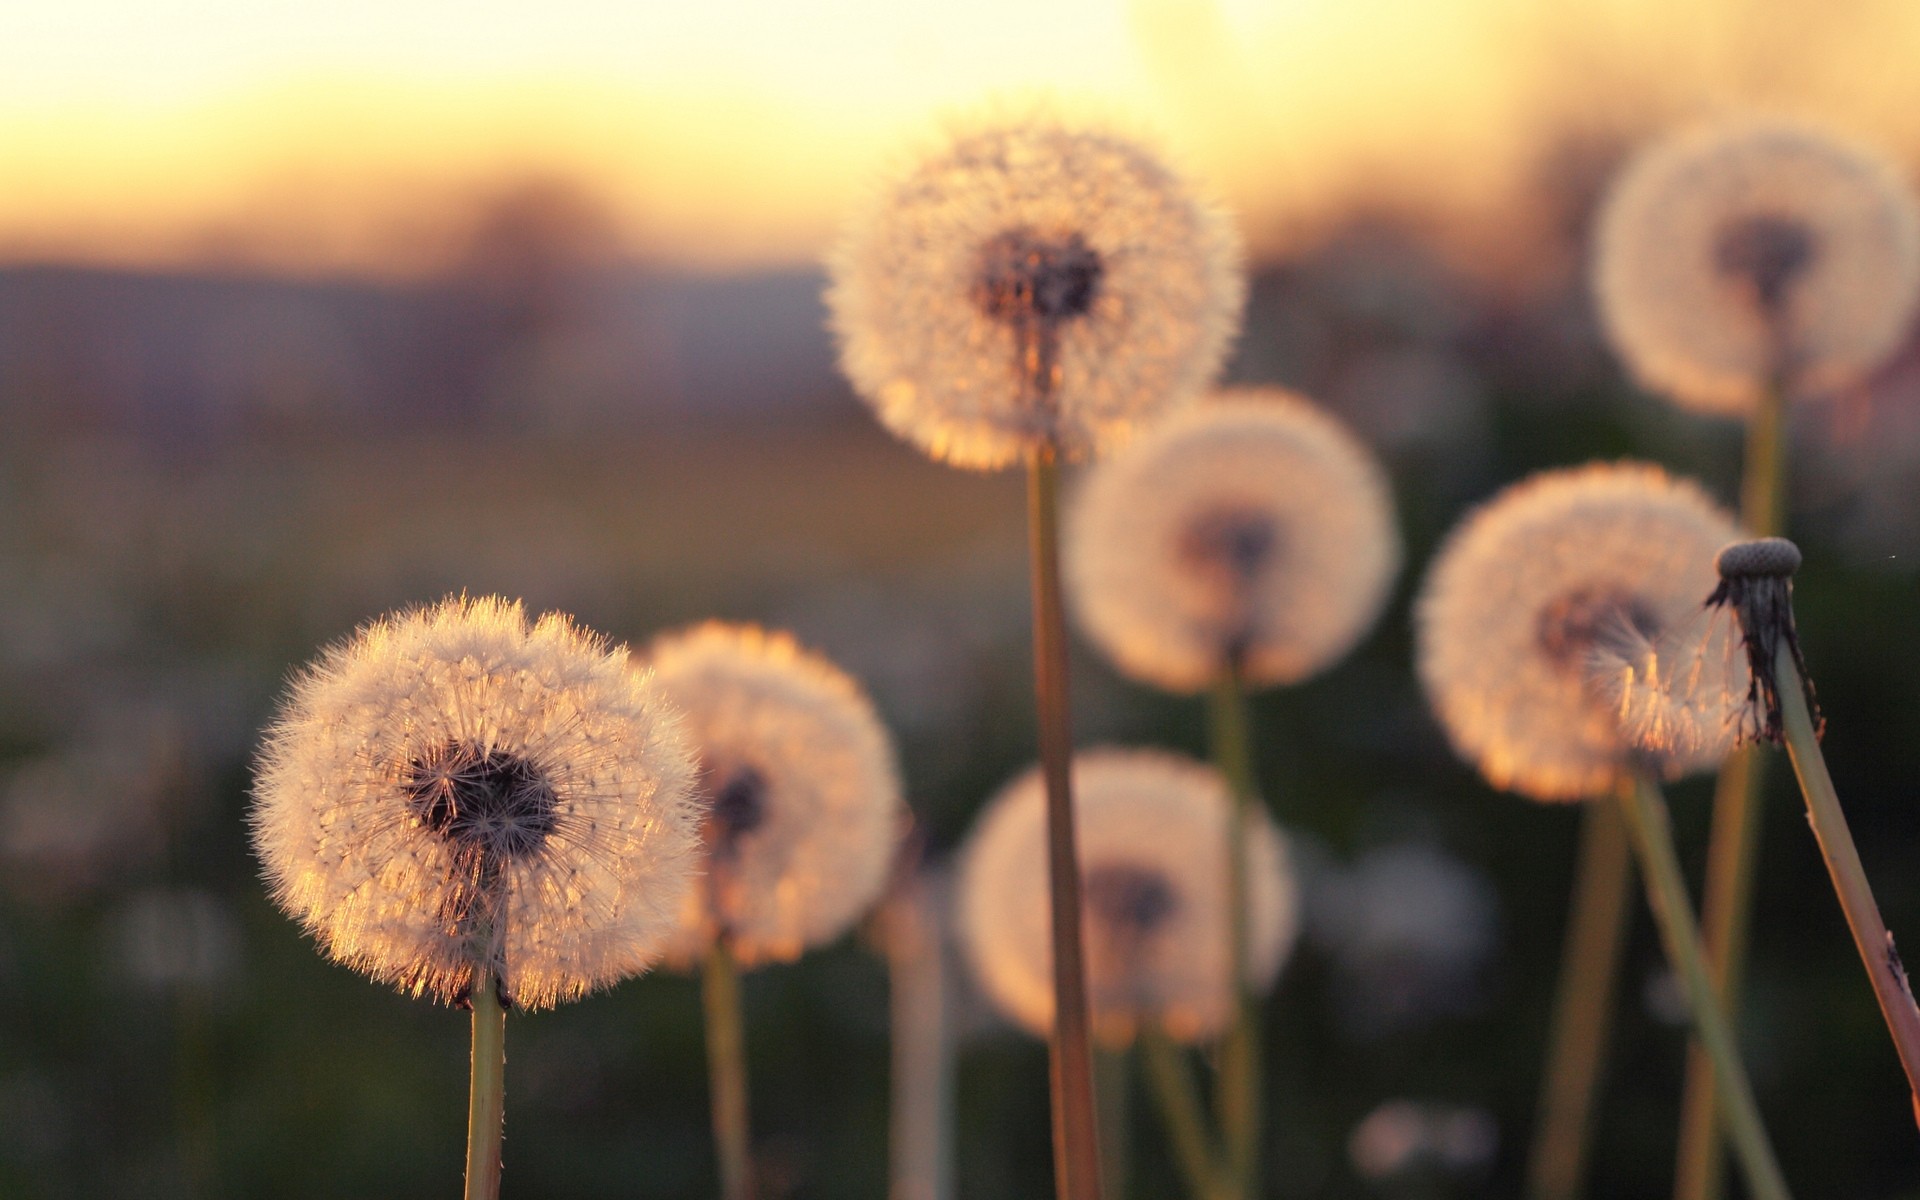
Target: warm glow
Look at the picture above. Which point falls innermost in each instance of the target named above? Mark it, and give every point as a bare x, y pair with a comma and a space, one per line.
359, 134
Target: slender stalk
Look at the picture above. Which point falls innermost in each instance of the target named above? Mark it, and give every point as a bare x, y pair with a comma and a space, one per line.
1112, 1083
1870, 936
1238, 1095
1733, 844
1179, 1103
1076, 1151
727, 1071
1652, 832
922, 1083
486, 1094
1583, 1011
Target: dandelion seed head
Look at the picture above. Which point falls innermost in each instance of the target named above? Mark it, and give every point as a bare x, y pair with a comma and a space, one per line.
1734, 251
1607, 561
1252, 527
1030, 281
1677, 694
1152, 843
806, 812
456, 787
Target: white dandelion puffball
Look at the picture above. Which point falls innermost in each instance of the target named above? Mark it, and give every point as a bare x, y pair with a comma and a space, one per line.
1153, 870
456, 788
806, 814
1032, 283
1732, 252
1536, 587
1251, 530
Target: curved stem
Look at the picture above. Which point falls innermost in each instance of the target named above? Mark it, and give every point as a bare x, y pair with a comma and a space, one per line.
1076, 1150
1179, 1103
1112, 1084
1238, 1095
1652, 831
486, 1092
727, 1071
1870, 936
1733, 845
1583, 1010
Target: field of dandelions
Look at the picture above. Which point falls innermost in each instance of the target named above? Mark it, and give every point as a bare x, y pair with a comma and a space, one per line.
824, 797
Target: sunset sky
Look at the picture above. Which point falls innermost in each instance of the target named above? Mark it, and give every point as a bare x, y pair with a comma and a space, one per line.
358, 135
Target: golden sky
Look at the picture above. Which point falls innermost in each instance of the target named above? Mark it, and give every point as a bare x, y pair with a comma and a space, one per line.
358, 135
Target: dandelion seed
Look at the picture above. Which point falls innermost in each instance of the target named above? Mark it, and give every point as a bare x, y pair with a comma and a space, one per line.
1252, 531
1529, 589
806, 811
456, 791
1031, 282
1152, 853
1736, 252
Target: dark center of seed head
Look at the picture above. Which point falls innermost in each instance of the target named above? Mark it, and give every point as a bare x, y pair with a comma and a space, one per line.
1129, 899
739, 804
1236, 541
487, 800
1026, 277
1571, 626
1768, 252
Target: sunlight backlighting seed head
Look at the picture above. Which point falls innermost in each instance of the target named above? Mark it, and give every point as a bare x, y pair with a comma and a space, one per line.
1734, 251
1153, 845
1029, 281
1250, 527
1534, 587
455, 786
806, 813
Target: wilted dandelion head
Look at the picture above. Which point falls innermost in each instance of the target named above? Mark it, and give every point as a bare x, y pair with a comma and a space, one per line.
1032, 282
1153, 857
806, 811
1250, 530
1538, 594
456, 788
1734, 252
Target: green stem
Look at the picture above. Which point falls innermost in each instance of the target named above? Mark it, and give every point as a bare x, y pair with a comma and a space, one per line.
1652, 831
1733, 845
1870, 934
1111, 1083
727, 1071
1238, 1095
1179, 1103
1583, 1011
486, 1094
1076, 1151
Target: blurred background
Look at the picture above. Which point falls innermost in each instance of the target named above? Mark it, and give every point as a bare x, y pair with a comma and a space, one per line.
310, 312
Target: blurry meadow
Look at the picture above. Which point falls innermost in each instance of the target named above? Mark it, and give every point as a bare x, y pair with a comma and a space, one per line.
214, 464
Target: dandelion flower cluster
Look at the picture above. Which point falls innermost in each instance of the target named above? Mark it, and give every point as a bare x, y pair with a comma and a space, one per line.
455, 789
1251, 530
1032, 282
1538, 596
1153, 858
1733, 252
806, 811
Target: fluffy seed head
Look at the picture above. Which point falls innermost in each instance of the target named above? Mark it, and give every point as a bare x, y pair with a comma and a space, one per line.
806, 810
1153, 858
1732, 252
454, 787
1252, 527
1539, 594
1028, 281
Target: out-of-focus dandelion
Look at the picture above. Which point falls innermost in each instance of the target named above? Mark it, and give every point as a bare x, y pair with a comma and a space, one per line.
473, 807
1031, 289
1740, 252
1402, 1137
1251, 532
185, 939
801, 834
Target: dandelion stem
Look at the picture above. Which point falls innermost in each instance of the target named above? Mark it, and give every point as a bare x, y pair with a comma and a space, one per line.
1075, 1141
1733, 844
1652, 831
1112, 1080
921, 1119
1179, 1102
727, 1071
1583, 1011
486, 1094
1238, 1096
1870, 936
